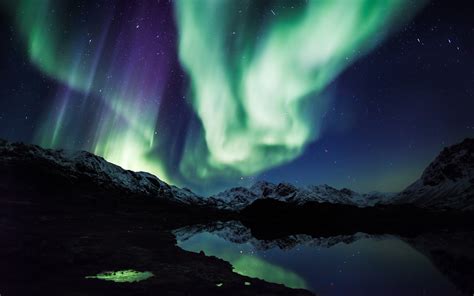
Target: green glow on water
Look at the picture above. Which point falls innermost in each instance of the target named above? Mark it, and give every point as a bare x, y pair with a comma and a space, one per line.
244, 263
256, 267
122, 276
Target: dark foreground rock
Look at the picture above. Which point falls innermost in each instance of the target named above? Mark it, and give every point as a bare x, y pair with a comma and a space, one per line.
50, 243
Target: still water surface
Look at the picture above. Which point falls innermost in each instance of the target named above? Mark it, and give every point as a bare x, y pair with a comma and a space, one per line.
342, 265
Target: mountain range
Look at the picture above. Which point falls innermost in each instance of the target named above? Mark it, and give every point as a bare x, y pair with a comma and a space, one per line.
447, 183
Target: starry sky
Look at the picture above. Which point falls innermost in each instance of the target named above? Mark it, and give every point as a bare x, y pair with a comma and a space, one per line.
211, 94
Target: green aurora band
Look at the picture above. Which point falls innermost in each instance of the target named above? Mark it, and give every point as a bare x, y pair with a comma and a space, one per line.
258, 88
258, 72
87, 59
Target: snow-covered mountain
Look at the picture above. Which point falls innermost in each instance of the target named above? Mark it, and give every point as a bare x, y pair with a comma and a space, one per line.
447, 183
80, 165
76, 165
239, 197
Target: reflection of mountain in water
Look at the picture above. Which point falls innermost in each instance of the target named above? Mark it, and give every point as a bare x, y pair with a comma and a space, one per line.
452, 253
243, 260
236, 232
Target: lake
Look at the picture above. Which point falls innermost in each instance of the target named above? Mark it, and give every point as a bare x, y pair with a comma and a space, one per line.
358, 264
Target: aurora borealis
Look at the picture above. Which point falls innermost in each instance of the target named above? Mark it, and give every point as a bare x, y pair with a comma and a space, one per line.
106, 69
206, 93
257, 89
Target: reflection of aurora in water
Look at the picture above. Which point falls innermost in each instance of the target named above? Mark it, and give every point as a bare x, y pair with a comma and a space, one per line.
243, 259
257, 267
122, 276
358, 265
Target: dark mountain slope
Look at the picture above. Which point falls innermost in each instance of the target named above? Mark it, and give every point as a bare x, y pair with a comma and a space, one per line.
447, 182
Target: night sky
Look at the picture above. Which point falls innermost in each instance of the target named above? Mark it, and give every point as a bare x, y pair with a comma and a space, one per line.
360, 94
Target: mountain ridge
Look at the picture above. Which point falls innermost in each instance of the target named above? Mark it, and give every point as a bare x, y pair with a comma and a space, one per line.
79, 165
447, 183
240, 197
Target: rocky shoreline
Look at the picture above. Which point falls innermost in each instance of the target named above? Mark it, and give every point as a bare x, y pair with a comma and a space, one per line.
50, 248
